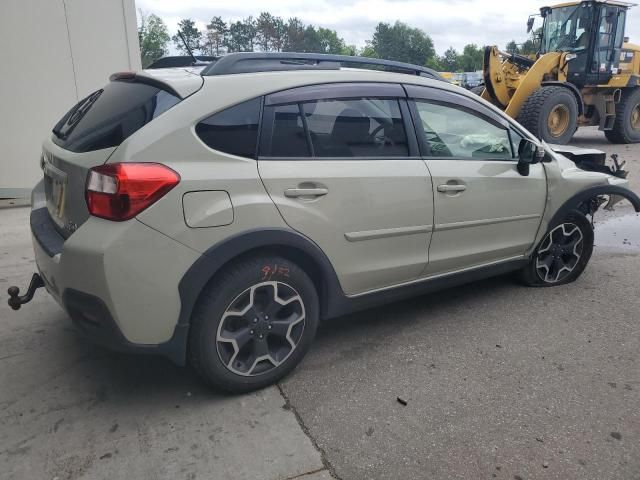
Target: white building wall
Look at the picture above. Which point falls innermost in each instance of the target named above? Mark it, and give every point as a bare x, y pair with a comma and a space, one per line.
54, 52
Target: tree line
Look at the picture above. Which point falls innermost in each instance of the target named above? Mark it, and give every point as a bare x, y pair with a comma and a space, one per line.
269, 33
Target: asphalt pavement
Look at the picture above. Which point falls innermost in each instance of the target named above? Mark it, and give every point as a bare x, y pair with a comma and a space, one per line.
488, 380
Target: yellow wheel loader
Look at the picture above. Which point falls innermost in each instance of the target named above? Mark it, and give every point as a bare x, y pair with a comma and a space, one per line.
585, 73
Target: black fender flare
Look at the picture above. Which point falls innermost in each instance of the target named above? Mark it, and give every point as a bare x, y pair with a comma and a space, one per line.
220, 254
591, 192
571, 87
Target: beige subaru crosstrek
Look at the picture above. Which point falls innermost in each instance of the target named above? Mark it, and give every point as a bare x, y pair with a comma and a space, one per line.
216, 213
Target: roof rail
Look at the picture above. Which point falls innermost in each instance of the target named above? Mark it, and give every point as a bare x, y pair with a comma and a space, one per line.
250, 62
182, 61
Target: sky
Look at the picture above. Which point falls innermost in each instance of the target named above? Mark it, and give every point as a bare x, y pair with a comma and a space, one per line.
448, 22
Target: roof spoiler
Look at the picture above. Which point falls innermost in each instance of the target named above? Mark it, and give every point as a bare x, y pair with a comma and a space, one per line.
134, 77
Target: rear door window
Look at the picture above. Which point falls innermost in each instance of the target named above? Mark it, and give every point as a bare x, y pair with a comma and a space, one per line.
110, 115
343, 128
289, 137
366, 127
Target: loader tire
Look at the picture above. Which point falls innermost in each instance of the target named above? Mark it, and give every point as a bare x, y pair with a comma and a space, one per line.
477, 90
626, 127
551, 114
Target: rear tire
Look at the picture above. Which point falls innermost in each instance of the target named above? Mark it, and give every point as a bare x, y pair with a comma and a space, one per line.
563, 253
551, 114
253, 324
626, 128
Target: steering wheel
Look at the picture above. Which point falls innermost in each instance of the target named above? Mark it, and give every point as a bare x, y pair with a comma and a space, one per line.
372, 137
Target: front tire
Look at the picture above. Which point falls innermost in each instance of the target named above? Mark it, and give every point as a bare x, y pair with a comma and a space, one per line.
626, 127
551, 114
253, 324
563, 253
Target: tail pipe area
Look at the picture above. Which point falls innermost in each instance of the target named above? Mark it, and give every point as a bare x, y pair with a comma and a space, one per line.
16, 300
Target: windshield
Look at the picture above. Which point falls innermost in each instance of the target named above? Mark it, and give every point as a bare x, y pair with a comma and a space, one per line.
565, 29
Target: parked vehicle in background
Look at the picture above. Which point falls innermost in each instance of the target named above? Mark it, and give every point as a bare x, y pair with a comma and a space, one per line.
458, 79
216, 214
473, 80
467, 80
448, 76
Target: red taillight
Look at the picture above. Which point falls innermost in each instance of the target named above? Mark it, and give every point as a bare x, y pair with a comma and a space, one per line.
119, 191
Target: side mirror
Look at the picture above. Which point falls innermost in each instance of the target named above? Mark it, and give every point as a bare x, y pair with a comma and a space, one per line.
530, 21
528, 154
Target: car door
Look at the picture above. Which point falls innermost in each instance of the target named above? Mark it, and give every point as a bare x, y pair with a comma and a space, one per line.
342, 165
485, 211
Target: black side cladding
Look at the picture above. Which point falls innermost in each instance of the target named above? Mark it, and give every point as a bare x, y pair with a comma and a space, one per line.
333, 301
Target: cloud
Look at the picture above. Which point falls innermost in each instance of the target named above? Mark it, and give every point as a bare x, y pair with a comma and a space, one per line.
449, 22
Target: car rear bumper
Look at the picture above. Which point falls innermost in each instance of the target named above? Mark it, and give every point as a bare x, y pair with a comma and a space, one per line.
92, 318
118, 281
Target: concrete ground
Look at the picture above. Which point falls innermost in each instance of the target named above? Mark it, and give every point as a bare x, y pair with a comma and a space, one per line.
499, 381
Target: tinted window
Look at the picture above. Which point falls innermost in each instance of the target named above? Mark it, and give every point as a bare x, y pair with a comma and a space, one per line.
233, 130
289, 138
452, 132
110, 115
366, 127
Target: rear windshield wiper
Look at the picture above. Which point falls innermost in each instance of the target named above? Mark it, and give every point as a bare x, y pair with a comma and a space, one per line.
71, 119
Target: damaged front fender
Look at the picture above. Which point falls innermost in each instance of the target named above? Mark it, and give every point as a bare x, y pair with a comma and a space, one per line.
584, 197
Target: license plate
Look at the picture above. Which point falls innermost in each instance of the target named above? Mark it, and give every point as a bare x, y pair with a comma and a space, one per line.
57, 180
57, 197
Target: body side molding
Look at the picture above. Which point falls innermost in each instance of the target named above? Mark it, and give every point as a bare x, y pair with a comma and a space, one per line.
387, 232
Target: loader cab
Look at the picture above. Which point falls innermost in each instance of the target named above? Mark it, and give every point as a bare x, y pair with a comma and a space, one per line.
591, 32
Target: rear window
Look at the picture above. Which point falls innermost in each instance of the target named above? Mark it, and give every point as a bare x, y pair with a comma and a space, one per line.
110, 115
233, 130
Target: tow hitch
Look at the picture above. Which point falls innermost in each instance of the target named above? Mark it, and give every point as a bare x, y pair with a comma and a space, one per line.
16, 301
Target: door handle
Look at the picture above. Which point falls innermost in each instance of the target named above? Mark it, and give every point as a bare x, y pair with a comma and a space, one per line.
451, 188
305, 192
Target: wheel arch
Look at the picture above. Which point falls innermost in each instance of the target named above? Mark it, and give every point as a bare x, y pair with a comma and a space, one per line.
580, 198
283, 242
569, 86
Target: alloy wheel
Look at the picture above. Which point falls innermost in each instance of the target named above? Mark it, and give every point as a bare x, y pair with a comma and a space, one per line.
260, 328
559, 253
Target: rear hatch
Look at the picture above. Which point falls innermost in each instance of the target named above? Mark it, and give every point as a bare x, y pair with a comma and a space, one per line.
91, 131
